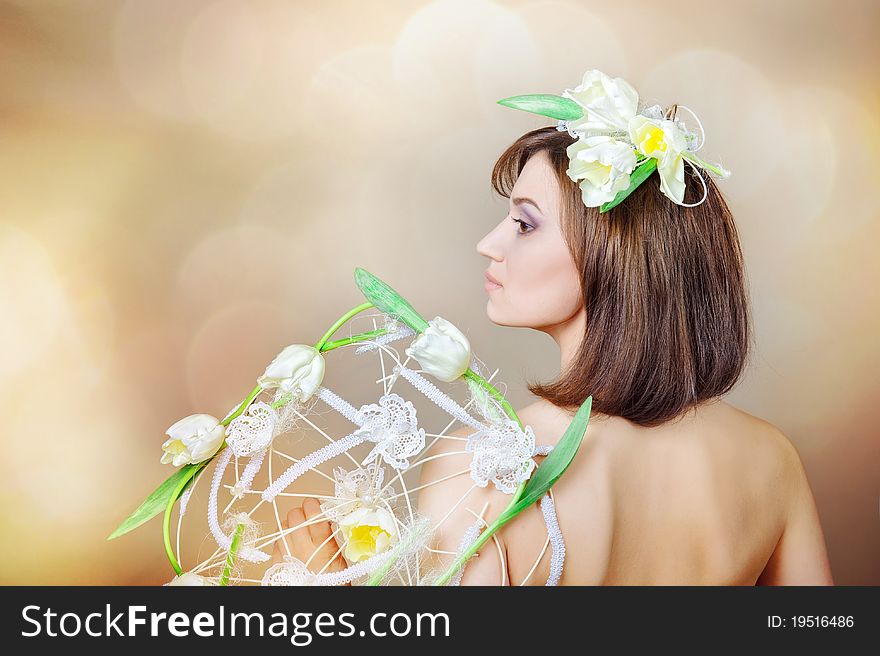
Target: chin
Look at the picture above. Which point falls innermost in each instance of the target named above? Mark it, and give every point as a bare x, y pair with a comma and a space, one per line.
496, 318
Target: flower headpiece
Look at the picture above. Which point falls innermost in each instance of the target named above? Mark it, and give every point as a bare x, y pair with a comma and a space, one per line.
618, 145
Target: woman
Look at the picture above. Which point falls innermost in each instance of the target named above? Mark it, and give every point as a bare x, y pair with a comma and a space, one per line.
671, 484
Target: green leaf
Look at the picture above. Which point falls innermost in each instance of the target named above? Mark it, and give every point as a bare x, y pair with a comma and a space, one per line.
156, 502
563, 109
556, 462
637, 177
387, 300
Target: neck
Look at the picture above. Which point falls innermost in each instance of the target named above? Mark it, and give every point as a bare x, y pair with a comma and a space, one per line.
568, 336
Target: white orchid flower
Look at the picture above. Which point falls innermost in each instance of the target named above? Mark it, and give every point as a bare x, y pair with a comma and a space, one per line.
608, 103
603, 165
442, 350
665, 141
298, 369
192, 439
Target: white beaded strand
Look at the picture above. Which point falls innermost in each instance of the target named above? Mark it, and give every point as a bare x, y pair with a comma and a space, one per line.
557, 559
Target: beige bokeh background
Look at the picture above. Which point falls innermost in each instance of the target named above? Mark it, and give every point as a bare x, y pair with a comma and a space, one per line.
188, 186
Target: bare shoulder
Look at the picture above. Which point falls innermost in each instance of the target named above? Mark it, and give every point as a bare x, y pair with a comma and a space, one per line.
787, 459
800, 556
767, 439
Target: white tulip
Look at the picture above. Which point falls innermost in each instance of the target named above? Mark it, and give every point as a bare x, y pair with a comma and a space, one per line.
603, 164
665, 141
189, 579
608, 103
442, 350
299, 369
192, 439
367, 532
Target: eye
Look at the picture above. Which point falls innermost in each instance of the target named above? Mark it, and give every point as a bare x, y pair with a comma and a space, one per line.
523, 224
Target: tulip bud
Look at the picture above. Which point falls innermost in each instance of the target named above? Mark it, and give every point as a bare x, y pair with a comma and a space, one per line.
442, 350
192, 439
298, 369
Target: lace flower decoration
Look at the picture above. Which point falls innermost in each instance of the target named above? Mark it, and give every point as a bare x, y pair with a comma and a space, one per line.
392, 425
360, 487
292, 571
502, 454
253, 430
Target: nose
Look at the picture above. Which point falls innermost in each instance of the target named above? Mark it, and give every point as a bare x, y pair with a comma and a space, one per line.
490, 245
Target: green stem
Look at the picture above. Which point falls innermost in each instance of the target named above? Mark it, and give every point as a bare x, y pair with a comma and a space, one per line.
244, 404
345, 317
717, 170
230, 558
380, 573
166, 523
282, 401
329, 346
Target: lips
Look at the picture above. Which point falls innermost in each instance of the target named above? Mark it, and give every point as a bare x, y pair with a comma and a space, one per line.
491, 279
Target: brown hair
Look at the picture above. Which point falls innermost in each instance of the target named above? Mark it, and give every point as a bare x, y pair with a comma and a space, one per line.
664, 287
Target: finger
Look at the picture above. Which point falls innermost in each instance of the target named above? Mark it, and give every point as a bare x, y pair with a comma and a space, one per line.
299, 539
278, 548
322, 533
318, 531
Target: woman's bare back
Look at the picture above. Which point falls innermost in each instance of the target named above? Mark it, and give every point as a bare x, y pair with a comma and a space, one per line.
717, 497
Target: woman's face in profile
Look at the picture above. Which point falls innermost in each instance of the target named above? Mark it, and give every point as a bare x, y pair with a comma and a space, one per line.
539, 284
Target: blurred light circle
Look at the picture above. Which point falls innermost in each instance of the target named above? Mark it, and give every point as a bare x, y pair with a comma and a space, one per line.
32, 299
59, 465
147, 39
232, 348
244, 65
532, 51
231, 263
835, 152
433, 58
355, 97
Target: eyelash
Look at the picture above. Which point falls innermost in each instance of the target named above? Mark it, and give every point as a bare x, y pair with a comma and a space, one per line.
522, 223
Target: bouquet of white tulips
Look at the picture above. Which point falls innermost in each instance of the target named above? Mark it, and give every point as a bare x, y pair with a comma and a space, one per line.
375, 535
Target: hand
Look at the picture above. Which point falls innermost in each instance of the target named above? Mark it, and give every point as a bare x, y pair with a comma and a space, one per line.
306, 540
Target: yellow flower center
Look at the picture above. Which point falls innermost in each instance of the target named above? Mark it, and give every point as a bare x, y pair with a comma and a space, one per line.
653, 141
175, 447
362, 540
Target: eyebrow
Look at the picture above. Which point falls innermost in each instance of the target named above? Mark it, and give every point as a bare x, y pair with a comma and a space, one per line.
518, 200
